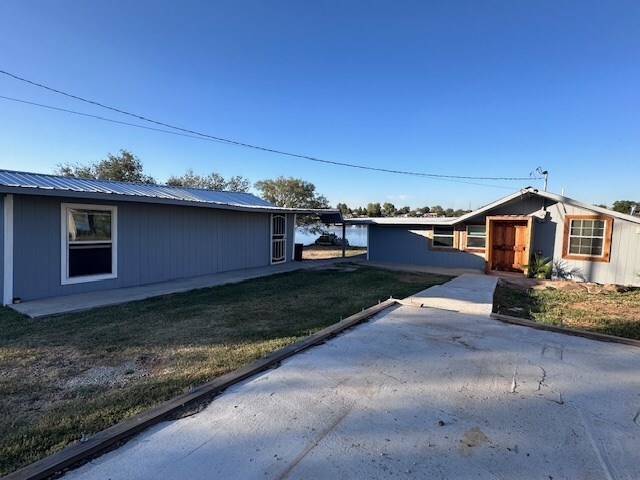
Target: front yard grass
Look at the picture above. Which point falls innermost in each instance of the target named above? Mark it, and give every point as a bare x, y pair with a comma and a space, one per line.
71, 375
613, 313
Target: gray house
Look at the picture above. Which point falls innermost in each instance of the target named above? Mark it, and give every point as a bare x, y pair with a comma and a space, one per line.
585, 242
61, 235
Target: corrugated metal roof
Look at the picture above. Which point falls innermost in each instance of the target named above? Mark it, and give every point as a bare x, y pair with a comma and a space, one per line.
92, 187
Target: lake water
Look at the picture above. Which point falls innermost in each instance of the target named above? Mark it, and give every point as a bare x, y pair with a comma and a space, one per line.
356, 234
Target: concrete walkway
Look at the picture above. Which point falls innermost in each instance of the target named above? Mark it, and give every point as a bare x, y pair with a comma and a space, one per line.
442, 393
87, 301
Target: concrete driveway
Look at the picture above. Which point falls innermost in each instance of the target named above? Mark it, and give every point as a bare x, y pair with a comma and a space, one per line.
415, 393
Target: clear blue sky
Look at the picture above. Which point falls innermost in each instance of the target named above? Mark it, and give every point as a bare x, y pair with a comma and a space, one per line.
474, 88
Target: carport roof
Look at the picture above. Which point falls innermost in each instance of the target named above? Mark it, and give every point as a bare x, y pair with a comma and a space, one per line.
52, 185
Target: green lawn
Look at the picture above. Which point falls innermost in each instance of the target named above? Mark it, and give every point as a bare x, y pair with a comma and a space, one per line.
76, 374
613, 314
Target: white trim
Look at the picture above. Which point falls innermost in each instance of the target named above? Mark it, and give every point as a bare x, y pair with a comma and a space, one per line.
64, 244
7, 283
293, 243
368, 242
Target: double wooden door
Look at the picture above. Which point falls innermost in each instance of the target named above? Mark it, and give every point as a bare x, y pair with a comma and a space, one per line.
509, 245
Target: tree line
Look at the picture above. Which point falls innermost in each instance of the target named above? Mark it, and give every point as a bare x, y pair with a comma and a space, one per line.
388, 209
281, 192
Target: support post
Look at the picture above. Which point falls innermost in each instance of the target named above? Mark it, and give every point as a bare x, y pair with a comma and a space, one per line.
7, 294
344, 240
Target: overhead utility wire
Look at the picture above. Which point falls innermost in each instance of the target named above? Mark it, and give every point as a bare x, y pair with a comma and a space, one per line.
256, 147
161, 130
105, 119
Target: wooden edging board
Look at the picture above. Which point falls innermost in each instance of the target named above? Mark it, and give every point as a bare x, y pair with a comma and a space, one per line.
104, 439
567, 331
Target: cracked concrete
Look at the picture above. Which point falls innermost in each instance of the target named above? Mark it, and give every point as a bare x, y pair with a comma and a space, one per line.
415, 393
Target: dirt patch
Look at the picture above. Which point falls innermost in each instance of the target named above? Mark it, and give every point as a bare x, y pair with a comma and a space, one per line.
607, 310
317, 252
112, 376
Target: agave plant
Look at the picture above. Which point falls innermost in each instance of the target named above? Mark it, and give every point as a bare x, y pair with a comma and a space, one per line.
539, 267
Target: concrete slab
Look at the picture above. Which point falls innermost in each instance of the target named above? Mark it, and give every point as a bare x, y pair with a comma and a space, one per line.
415, 393
87, 301
409, 267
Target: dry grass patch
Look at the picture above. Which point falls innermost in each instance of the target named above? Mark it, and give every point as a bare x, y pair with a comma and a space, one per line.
65, 376
611, 313
317, 252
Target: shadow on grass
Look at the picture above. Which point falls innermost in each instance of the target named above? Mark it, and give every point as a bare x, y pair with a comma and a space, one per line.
54, 388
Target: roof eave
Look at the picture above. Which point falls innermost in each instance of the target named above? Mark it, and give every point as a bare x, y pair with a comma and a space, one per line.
113, 197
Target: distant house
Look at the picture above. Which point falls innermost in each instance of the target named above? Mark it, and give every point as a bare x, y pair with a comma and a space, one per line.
585, 242
64, 235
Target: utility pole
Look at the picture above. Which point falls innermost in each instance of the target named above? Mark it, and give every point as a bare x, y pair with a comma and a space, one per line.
545, 173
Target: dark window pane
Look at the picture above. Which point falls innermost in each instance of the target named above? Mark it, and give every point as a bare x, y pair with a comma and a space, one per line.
475, 242
443, 231
89, 260
442, 241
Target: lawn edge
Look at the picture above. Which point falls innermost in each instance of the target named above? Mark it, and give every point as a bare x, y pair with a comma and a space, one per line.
602, 337
104, 439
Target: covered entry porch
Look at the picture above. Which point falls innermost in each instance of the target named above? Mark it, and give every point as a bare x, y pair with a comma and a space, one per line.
509, 240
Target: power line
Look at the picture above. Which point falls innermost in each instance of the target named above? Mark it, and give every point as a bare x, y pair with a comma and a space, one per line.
105, 119
97, 117
258, 147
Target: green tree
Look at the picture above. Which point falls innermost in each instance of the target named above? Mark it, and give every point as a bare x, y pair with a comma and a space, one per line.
344, 209
213, 181
374, 210
388, 209
125, 167
294, 193
404, 210
438, 210
623, 206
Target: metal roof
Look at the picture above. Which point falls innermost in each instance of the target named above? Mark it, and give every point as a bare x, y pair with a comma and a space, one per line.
92, 187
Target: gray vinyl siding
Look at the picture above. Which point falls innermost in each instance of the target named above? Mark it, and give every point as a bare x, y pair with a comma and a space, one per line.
1, 249
155, 243
399, 244
624, 264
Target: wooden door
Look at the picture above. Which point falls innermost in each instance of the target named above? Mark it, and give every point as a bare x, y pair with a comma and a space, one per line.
509, 241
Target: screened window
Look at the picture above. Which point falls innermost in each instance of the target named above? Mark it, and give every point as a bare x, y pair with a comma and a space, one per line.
89, 243
476, 236
586, 237
443, 237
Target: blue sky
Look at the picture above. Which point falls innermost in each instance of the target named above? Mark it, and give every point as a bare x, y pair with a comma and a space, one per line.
471, 88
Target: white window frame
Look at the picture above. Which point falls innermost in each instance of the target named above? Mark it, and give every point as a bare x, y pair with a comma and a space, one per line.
64, 246
579, 236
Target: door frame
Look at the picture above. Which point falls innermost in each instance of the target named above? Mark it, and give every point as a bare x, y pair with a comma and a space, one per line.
280, 238
490, 223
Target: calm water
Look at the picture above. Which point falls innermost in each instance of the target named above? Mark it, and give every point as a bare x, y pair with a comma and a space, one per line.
356, 234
